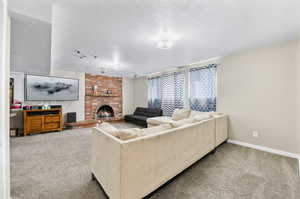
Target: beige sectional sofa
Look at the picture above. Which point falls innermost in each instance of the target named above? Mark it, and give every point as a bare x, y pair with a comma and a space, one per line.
134, 168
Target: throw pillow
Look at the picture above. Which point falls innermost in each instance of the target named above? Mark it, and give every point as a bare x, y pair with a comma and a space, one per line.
108, 128
126, 134
180, 114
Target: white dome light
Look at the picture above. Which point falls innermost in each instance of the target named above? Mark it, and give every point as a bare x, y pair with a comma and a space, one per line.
164, 44
165, 39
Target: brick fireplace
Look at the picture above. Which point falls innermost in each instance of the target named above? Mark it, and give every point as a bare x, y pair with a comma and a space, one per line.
103, 97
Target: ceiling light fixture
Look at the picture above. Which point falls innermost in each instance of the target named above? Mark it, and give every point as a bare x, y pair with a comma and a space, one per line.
165, 40
165, 44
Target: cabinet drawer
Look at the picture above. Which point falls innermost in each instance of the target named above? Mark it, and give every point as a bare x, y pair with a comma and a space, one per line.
49, 119
52, 126
35, 124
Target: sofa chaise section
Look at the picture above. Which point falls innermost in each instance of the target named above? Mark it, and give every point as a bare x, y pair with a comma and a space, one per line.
133, 169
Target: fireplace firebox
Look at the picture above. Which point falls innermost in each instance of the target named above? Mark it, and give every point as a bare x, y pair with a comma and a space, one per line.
105, 111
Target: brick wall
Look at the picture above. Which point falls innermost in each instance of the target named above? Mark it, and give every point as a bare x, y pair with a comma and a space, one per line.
104, 83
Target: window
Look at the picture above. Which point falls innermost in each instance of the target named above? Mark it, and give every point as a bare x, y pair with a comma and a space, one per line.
173, 94
154, 92
168, 90
203, 88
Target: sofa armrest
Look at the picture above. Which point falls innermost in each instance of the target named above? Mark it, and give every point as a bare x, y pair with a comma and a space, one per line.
106, 162
221, 128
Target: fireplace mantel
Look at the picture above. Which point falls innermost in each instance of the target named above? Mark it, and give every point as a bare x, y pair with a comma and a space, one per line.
103, 95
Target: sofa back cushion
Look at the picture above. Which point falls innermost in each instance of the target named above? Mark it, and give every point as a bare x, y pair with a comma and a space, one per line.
148, 112
108, 128
180, 114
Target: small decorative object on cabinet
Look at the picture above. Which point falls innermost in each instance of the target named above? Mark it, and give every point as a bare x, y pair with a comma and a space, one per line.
39, 121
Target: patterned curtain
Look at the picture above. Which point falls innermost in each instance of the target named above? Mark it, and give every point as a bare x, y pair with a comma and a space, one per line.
203, 88
173, 88
154, 92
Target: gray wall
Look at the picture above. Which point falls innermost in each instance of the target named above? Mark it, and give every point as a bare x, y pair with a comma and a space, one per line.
140, 92
30, 45
128, 96
258, 89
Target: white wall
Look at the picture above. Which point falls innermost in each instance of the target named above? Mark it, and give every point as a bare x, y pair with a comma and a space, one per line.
18, 85
77, 106
73, 106
140, 93
28, 33
258, 90
30, 45
128, 96
68, 106
4, 102
298, 100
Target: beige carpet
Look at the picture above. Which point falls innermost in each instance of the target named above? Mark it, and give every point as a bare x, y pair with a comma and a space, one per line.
56, 166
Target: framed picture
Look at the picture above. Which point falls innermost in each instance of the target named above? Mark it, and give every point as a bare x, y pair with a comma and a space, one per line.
11, 90
48, 88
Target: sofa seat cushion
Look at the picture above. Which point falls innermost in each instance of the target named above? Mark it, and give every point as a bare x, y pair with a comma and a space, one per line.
159, 120
182, 122
195, 113
199, 117
126, 134
156, 129
180, 114
217, 115
108, 128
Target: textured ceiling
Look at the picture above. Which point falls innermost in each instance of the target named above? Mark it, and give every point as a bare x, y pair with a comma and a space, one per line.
123, 34
39, 9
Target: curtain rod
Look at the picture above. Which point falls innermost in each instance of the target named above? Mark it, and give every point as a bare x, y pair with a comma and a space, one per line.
185, 67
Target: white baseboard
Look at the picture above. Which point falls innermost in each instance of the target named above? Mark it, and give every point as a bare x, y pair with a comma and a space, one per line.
267, 149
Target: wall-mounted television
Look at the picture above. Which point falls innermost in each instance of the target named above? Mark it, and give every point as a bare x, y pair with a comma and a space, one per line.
48, 88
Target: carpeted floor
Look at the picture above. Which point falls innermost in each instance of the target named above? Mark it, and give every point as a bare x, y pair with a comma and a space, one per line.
56, 166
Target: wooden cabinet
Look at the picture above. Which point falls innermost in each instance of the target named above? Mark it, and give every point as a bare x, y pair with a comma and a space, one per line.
38, 121
35, 124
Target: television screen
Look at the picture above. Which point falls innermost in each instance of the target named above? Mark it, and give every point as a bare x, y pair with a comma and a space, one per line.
49, 88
